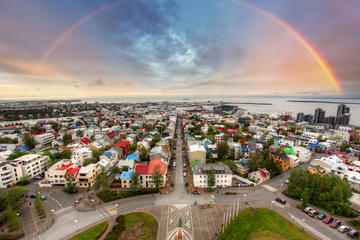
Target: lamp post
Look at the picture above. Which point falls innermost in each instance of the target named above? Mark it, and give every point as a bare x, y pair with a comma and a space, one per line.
76, 224
245, 199
302, 225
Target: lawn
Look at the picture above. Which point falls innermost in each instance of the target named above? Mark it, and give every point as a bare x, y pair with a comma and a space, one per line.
262, 224
150, 227
92, 233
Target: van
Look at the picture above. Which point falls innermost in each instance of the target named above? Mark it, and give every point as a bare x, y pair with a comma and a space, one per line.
174, 164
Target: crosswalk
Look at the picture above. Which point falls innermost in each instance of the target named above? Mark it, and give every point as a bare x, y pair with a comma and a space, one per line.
270, 188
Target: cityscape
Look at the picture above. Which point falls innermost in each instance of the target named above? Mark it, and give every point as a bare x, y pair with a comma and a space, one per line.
179, 120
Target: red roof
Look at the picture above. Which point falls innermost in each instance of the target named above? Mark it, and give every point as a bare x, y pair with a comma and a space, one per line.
85, 141
40, 133
142, 169
64, 167
263, 173
110, 135
124, 145
73, 171
157, 163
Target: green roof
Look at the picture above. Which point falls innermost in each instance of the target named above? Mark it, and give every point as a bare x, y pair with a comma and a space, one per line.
289, 151
193, 163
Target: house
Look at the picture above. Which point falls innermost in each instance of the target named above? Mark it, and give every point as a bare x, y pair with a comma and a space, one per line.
303, 154
96, 145
160, 152
223, 175
84, 142
109, 137
283, 159
87, 175
197, 152
354, 180
57, 173
81, 154
124, 145
146, 173
259, 176
111, 157
125, 178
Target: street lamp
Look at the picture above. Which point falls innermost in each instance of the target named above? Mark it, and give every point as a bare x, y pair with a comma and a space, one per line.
245, 199
302, 226
272, 202
76, 224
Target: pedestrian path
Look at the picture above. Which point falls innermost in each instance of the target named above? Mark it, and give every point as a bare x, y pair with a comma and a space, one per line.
175, 213
270, 188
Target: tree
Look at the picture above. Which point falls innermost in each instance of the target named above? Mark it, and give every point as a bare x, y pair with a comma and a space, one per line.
16, 155
116, 170
135, 182
208, 154
67, 139
157, 177
96, 154
89, 161
143, 153
236, 137
223, 150
270, 141
211, 178
29, 141
70, 185
37, 129
24, 180
132, 147
155, 140
39, 205
65, 154
101, 181
14, 222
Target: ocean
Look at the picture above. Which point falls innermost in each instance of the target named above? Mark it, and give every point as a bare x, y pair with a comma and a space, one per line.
279, 104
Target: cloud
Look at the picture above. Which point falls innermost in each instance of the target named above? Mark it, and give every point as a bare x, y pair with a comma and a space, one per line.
98, 82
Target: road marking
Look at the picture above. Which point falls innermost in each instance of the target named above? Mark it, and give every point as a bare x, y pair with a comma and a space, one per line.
54, 200
270, 188
112, 209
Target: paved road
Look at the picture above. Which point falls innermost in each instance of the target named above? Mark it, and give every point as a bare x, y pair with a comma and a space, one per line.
66, 216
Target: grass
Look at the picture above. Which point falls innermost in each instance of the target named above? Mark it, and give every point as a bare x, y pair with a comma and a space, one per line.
262, 224
355, 223
150, 227
92, 233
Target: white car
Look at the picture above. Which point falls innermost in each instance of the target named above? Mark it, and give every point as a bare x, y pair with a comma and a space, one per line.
343, 228
184, 174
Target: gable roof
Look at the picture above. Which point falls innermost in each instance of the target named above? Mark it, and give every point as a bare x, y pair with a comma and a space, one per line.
85, 141
157, 164
142, 169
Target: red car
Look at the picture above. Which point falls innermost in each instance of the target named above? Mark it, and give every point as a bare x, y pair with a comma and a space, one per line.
328, 219
336, 223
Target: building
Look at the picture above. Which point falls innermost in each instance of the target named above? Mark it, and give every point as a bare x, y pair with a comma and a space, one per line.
316, 170
220, 138
146, 173
125, 178
160, 152
10, 174
44, 140
260, 175
87, 175
57, 173
343, 115
319, 116
32, 164
283, 159
81, 154
109, 158
300, 117
223, 175
124, 145
197, 152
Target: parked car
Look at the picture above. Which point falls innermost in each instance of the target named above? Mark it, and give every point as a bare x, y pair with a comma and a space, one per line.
280, 200
353, 234
321, 216
174, 164
184, 165
328, 219
42, 197
343, 228
307, 209
336, 223
287, 181
184, 174
38, 177
32, 196
313, 213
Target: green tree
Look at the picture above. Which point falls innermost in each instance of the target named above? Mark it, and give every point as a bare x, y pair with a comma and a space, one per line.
135, 181
132, 147
155, 140
16, 155
116, 170
236, 137
89, 161
223, 150
70, 185
24, 180
143, 154
211, 178
14, 222
29, 141
39, 205
157, 178
67, 139
270, 141
208, 154
37, 129
96, 154
101, 181
65, 154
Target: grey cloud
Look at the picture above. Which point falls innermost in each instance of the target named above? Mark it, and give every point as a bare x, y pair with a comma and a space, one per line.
98, 82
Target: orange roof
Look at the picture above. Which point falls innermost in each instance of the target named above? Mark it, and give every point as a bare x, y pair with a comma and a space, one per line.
157, 163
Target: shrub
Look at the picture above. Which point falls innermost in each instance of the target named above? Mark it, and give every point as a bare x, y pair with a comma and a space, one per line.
117, 229
230, 193
107, 195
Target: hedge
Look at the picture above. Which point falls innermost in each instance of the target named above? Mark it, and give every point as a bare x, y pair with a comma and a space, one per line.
107, 195
117, 229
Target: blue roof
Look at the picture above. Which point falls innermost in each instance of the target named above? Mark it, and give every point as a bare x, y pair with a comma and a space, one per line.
127, 175
21, 149
132, 156
109, 154
117, 176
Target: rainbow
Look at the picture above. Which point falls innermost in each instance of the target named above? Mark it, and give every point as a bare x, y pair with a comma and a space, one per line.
311, 49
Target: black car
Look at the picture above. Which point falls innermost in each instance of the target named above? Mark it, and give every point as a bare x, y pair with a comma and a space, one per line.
353, 234
280, 200
32, 196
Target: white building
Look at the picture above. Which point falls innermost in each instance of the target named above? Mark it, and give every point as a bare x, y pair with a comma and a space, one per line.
197, 152
32, 164
223, 175
220, 138
56, 174
303, 154
260, 175
44, 140
10, 173
81, 154
108, 159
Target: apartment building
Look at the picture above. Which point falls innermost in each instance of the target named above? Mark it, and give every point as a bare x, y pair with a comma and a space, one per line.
81, 154
223, 175
87, 175
10, 173
44, 140
32, 164
57, 173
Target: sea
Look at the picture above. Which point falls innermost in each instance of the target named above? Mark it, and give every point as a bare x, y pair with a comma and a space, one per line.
255, 104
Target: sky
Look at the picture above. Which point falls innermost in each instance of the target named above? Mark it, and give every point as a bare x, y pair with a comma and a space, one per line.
52, 49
